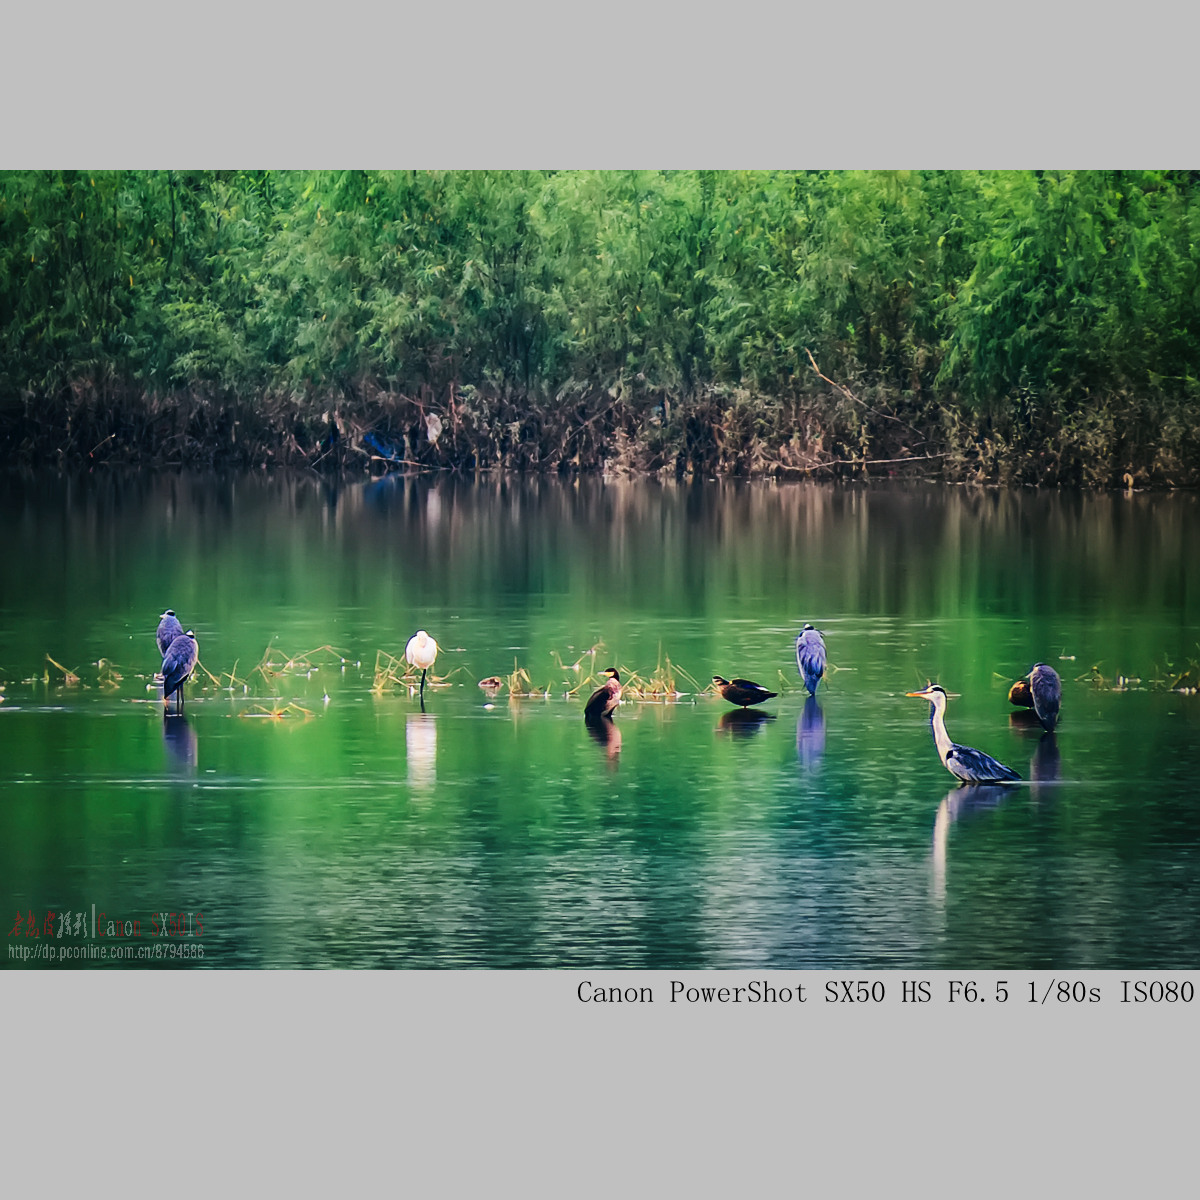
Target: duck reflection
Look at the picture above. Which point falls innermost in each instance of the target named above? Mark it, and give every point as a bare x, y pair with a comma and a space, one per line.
959, 802
420, 741
606, 733
743, 722
810, 735
180, 740
1024, 718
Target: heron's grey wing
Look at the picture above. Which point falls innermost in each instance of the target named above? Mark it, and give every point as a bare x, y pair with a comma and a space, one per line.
976, 767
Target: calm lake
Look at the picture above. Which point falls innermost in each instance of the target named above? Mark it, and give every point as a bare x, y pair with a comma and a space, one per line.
302, 817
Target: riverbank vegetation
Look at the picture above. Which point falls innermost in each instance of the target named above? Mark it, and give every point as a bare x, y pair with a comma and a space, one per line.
1016, 327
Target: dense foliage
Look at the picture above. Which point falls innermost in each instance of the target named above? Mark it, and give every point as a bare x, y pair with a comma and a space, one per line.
1031, 326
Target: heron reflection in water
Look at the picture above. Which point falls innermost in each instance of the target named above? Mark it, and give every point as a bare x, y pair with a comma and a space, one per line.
957, 803
180, 741
420, 743
1044, 766
810, 735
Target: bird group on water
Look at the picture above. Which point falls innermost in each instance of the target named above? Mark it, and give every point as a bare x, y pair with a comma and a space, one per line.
1040, 690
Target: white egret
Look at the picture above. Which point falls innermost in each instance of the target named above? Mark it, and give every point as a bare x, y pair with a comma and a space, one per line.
420, 652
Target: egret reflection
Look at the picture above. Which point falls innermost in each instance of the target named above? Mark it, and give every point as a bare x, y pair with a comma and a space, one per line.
180, 741
743, 722
420, 741
810, 735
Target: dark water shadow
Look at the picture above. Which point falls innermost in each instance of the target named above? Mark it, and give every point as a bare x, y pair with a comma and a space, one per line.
810, 735
181, 742
743, 722
1025, 720
1044, 767
605, 732
961, 803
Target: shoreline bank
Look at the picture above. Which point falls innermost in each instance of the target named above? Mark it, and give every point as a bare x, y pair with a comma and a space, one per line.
1118, 442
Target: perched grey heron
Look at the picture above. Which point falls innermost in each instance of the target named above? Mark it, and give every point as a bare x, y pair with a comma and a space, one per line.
1041, 690
420, 652
169, 629
604, 700
971, 766
178, 664
742, 692
810, 657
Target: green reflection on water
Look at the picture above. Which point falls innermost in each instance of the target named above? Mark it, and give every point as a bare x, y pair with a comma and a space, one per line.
357, 830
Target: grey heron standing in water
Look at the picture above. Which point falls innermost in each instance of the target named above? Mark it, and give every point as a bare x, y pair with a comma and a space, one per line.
178, 664
1040, 690
168, 630
810, 657
971, 766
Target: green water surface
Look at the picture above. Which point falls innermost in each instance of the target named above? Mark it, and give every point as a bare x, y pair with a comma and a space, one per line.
304, 818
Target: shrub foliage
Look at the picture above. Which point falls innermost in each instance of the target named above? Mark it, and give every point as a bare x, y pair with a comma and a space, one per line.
1012, 326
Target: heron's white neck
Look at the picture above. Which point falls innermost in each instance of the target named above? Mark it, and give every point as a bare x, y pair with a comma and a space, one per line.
941, 738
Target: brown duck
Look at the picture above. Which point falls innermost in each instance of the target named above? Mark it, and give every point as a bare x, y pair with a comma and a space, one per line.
742, 692
604, 700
